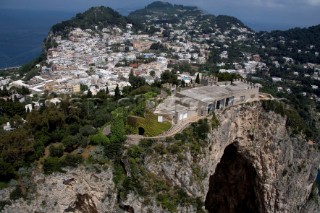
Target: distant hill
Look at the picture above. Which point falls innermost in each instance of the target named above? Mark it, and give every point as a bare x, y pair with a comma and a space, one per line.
164, 11
160, 13
155, 13
95, 16
178, 22
310, 35
300, 44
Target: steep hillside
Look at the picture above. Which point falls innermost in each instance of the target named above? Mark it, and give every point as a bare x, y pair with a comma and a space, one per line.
94, 18
250, 162
301, 44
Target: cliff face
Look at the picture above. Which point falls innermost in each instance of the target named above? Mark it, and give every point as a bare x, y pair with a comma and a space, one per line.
250, 163
281, 168
78, 190
266, 170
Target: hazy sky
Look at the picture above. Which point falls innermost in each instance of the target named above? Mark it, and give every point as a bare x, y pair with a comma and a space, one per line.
270, 12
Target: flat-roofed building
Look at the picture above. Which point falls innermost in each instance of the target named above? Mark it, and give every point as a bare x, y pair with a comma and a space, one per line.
201, 101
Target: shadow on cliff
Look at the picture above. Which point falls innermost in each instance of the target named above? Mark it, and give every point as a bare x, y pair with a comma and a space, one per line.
234, 186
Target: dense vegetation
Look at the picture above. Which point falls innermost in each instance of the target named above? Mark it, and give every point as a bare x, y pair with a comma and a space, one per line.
102, 17
299, 44
64, 130
170, 13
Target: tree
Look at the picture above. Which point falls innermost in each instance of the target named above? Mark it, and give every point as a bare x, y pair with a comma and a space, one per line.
83, 87
183, 83
114, 147
166, 33
24, 91
7, 171
198, 79
72, 160
152, 73
136, 81
51, 164
53, 118
117, 94
70, 143
4, 92
157, 46
89, 94
169, 77
16, 121
90, 71
99, 139
87, 130
16, 147
56, 151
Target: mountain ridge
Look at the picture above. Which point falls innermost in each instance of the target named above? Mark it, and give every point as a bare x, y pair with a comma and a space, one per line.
116, 18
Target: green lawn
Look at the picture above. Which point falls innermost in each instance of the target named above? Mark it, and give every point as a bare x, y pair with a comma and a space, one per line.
149, 123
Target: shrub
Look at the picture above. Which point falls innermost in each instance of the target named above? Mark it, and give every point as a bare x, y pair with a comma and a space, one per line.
74, 128
16, 193
160, 148
98, 139
51, 164
87, 130
71, 160
3, 204
7, 171
56, 151
135, 151
201, 129
146, 143
173, 148
214, 121
69, 143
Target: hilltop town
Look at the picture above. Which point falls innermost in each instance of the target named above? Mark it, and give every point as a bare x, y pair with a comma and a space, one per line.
100, 51
98, 59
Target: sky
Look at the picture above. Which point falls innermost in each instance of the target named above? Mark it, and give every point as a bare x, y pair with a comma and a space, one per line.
264, 13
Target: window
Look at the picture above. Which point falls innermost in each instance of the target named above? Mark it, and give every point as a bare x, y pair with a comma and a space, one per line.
242, 98
253, 96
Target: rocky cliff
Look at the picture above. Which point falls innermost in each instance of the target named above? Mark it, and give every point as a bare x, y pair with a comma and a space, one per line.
249, 163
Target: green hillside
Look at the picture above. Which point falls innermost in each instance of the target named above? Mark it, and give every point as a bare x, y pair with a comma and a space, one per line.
95, 16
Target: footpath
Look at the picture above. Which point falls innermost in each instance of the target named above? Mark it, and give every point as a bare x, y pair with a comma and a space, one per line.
176, 128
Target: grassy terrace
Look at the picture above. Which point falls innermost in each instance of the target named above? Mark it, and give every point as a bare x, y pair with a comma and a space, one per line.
149, 123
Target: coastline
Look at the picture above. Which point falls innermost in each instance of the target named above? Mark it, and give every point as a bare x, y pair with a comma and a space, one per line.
10, 68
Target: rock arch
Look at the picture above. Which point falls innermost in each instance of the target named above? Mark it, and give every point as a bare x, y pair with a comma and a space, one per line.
234, 187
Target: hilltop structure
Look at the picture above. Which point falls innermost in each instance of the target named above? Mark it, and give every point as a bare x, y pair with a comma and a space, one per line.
202, 100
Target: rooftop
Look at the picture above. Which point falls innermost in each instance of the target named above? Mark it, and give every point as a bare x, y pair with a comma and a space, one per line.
214, 92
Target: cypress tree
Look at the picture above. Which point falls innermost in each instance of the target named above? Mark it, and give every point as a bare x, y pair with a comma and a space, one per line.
89, 94
117, 94
198, 79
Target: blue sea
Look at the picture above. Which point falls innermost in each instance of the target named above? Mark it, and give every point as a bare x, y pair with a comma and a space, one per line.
22, 33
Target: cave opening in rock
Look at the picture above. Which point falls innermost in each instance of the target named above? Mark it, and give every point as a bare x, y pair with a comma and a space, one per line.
233, 188
141, 130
